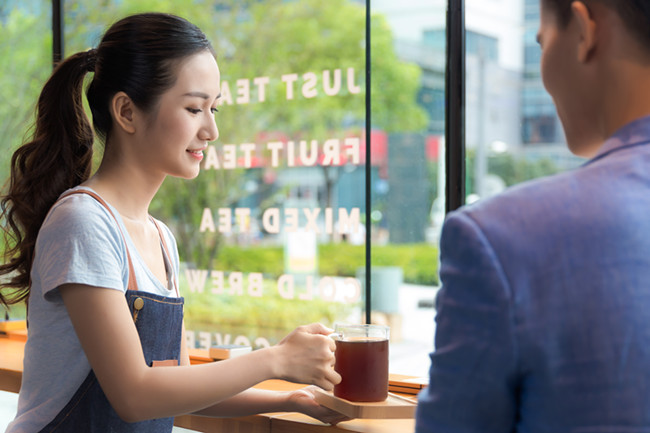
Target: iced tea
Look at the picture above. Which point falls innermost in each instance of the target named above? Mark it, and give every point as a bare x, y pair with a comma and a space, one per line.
362, 362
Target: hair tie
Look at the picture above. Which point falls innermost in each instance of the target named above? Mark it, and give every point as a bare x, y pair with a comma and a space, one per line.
90, 59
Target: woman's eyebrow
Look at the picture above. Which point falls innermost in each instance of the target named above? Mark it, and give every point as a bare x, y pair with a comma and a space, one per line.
197, 94
201, 95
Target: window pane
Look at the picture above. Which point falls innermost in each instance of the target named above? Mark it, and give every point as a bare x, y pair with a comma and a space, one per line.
513, 132
270, 234
408, 67
26, 53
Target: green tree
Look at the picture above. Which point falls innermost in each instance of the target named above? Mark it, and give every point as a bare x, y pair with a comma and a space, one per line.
274, 38
515, 170
26, 53
512, 169
270, 39
252, 39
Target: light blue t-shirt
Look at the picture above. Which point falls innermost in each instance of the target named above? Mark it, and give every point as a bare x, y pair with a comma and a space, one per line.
79, 242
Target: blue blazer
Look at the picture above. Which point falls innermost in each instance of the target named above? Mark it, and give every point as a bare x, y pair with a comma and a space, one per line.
543, 321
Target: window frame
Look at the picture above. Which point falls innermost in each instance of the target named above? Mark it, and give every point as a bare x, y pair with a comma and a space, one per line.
454, 112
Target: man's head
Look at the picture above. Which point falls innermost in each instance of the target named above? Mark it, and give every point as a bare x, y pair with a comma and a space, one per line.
635, 14
595, 63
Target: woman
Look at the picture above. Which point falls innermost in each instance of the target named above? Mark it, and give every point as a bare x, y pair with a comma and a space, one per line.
78, 245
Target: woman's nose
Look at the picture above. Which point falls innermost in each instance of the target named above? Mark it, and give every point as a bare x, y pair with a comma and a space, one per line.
210, 132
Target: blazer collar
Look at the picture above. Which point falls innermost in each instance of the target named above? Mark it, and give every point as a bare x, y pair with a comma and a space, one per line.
635, 133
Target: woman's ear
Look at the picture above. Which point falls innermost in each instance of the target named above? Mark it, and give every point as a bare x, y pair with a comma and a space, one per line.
123, 111
584, 18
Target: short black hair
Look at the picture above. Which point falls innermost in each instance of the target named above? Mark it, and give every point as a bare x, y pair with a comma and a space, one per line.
634, 13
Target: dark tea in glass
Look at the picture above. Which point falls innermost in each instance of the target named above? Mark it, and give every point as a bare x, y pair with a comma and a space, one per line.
362, 362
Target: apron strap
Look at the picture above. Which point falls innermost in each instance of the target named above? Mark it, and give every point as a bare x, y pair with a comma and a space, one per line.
133, 284
164, 245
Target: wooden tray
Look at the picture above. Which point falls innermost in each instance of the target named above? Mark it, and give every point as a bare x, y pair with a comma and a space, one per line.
393, 407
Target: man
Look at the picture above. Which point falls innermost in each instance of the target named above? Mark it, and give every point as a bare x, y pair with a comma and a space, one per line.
543, 320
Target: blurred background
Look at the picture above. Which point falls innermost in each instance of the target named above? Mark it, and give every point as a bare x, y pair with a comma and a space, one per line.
273, 232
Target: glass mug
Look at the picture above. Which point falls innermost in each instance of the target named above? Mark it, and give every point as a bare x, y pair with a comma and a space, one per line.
362, 362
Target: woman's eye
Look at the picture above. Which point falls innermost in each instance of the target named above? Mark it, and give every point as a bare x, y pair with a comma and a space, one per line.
194, 110
214, 110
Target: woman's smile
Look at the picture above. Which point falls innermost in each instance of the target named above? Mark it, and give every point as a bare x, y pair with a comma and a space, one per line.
197, 153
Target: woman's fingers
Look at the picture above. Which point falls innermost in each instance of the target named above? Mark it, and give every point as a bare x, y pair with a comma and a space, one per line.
309, 356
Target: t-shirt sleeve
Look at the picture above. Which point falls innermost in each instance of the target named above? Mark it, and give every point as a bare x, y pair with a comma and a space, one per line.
79, 242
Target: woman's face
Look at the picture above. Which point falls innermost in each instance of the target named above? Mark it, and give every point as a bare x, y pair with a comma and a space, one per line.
182, 125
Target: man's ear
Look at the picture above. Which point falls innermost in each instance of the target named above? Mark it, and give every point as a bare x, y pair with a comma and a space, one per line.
123, 111
586, 28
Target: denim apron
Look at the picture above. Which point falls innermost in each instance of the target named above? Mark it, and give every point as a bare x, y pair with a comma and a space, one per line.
158, 320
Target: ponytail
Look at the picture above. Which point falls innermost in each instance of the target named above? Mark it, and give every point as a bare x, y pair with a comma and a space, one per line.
137, 55
58, 157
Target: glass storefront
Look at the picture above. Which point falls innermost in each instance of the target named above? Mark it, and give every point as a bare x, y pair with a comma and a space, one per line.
277, 229
26, 53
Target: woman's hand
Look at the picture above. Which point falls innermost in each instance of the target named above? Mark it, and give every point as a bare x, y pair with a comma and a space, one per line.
303, 401
306, 355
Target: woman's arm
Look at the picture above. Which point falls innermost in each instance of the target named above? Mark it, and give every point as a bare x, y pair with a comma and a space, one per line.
256, 401
137, 392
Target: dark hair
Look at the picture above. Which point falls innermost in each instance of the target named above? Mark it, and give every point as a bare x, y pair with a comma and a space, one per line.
634, 13
137, 55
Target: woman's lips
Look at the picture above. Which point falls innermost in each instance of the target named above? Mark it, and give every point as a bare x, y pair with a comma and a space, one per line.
198, 154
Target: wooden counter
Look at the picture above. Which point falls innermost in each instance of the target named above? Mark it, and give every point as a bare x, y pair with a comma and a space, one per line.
12, 347
12, 343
